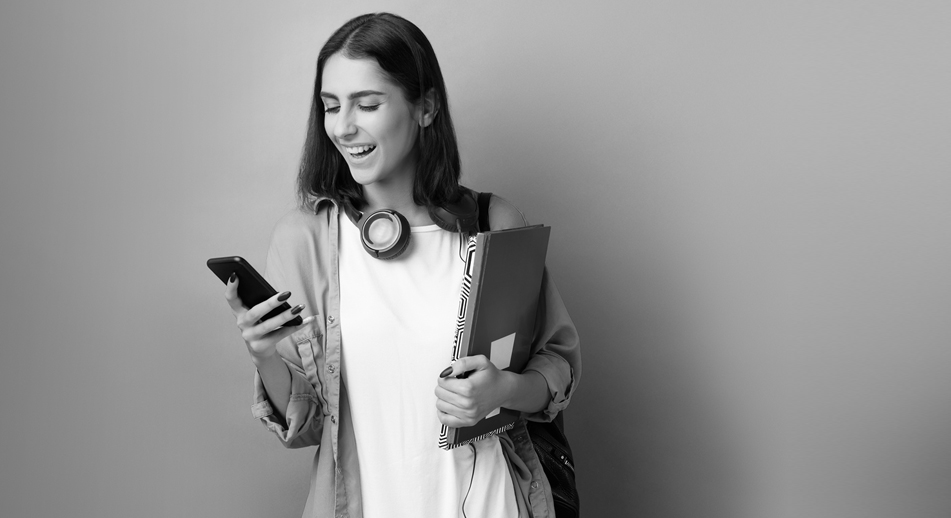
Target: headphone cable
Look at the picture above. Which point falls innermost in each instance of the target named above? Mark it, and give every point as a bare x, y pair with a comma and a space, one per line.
459, 230
462, 242
471, 478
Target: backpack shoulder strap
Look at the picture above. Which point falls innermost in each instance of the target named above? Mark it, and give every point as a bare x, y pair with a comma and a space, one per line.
484, 211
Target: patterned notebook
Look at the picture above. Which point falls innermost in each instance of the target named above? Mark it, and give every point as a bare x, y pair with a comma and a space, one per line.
496, 317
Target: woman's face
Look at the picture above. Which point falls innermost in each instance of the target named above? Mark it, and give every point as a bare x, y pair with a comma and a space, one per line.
369, 120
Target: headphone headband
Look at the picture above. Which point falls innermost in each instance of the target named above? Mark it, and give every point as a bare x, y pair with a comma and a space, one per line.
459, 216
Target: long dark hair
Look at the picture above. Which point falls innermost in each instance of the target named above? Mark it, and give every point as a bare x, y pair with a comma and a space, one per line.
404, 53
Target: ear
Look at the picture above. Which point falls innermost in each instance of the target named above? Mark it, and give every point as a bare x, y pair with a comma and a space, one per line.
428, 108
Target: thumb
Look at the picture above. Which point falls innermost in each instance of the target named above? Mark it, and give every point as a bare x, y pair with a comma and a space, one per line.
464, 365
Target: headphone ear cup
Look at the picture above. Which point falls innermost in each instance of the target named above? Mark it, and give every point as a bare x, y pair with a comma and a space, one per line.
461, 215
385, 234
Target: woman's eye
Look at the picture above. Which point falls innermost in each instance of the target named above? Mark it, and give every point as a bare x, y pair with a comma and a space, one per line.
331, 109
369, 108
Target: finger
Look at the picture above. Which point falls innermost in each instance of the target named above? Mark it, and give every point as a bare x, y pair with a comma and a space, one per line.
443, 394
448, 420
265, 332
276, 322
464, 365
285, 331
289, 328
258, 311
275, 336
454, 421
231, 294
461, 387
459, 413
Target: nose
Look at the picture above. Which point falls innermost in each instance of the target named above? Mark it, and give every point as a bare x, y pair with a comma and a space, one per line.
344, 126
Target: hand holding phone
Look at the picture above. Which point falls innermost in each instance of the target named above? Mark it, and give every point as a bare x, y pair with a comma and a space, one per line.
253, 289
266, 322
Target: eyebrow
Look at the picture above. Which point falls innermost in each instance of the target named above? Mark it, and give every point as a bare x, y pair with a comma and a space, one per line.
354, 95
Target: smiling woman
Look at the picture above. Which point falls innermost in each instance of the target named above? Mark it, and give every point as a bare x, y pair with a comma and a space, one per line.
381, 164
379, 62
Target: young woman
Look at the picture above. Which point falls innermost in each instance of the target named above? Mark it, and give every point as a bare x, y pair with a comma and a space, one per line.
365, 377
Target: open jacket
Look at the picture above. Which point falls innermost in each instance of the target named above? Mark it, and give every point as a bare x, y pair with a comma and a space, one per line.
303, 259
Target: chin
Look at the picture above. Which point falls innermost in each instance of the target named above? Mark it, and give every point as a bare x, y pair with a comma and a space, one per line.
367, 180
364, 177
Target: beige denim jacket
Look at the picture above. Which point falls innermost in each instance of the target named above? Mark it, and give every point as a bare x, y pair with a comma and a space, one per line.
303, 259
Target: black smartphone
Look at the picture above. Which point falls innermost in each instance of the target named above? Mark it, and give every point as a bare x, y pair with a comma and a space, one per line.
252, 288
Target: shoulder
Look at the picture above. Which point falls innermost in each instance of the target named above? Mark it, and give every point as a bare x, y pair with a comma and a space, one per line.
298, 242
299, 225
503, 214
291, 222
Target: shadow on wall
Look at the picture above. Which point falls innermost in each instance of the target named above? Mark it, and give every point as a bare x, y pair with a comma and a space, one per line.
644, 426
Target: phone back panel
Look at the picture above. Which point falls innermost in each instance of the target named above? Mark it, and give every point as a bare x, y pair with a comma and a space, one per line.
253, 289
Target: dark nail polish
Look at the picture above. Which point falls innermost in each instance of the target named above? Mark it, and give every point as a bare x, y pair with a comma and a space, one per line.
446, 372
284, 296
297, 309
234, 277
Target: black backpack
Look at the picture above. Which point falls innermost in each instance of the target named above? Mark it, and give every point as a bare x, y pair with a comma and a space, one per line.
548, 439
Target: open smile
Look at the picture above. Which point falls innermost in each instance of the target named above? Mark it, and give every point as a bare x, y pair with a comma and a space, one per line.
359, 152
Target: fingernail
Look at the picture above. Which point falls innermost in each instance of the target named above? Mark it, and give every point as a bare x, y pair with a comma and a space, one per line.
284, 296
297, 309
446, 372
234, 277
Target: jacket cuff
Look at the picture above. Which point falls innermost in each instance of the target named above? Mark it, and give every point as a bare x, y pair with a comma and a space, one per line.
303, 422
560, 379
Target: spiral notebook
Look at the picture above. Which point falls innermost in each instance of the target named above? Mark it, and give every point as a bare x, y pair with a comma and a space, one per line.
496, 317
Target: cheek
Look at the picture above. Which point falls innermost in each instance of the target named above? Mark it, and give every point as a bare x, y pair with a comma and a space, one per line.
404, 132
395, 125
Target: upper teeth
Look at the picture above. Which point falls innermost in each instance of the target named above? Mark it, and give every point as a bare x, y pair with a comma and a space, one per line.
358, 149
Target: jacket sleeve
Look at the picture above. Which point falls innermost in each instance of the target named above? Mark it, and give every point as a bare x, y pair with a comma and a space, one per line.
556, 350
302, 424
556, 347
304, 421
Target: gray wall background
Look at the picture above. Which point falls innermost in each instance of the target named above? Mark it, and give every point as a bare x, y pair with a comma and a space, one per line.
750, 204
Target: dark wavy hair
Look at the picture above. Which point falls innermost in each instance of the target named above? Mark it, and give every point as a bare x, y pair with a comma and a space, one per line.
404, 53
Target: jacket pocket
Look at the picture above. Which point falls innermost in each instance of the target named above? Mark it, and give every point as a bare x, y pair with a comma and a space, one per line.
309, 341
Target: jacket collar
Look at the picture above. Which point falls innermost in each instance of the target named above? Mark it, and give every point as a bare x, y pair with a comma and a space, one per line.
314, 203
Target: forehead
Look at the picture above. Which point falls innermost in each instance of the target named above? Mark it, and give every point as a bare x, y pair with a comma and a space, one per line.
343, 75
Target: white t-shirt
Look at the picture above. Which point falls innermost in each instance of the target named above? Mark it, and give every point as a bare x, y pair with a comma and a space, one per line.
398, 321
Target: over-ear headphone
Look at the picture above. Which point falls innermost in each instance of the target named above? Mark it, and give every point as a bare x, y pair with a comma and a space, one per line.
385, 233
